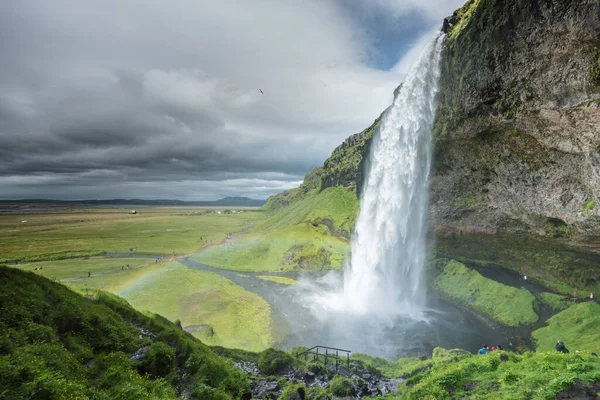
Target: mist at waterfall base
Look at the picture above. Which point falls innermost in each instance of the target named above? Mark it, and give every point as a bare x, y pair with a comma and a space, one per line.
379, 304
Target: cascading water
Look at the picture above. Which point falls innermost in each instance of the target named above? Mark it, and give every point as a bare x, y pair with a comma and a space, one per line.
388, 251
383, 277
378, 305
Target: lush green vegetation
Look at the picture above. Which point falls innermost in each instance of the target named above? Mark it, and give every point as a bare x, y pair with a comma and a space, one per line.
556, 302
577, 326
462, 17
342, 387
554, 262
80, 233
278, 279
527, 376
55, 343
404, 367
308, 234
219, 311
589, 206
272, 361
79, 268
343, 166
503, 303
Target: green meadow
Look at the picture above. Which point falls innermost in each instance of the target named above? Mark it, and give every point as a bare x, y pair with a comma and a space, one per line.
503, 303
577, 326
278, 279
91, 232
312, 233
63, 244
79, 268
218, 311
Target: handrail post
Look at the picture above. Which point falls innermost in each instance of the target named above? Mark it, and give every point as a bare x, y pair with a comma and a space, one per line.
325, 357
348, 355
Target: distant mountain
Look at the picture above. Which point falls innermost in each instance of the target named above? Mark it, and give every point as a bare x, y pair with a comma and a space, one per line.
225, 202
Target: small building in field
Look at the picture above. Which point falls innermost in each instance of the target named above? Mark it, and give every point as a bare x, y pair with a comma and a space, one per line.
132, 212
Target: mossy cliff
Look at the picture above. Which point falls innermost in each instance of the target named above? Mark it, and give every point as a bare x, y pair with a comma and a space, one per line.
517, 139
345, 167
518, 136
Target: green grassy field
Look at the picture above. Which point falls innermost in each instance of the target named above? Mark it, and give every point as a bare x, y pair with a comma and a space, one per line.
503, 303
310, 234
79, 268
278, 279
578, 326
88, 232
238, 318
556, 302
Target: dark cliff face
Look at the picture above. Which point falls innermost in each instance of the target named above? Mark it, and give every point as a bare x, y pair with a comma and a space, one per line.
518, 127
518, 134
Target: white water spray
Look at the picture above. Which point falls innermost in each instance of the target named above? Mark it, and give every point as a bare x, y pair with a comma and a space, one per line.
384, 276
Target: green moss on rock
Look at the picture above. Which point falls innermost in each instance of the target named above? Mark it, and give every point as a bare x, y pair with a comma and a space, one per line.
272, 361
505, 304
342, 387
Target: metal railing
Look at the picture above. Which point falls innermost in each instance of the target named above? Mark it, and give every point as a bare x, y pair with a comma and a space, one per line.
326, 354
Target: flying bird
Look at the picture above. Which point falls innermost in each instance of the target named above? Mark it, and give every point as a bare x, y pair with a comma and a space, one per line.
261, 91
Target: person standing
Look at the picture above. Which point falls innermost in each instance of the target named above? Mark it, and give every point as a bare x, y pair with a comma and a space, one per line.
560, 347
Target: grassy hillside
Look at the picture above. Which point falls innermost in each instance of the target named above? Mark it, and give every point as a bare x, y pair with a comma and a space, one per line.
218, 311
577, 326
56, 344
309, 233
501, 375
503, 303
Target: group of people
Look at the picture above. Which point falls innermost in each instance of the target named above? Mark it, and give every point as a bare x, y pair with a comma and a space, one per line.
486, 349
576, 295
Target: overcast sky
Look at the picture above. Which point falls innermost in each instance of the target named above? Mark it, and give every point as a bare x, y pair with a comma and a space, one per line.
160, 99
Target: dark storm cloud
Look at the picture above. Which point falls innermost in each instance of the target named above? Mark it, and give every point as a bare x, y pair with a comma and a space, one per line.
160, 99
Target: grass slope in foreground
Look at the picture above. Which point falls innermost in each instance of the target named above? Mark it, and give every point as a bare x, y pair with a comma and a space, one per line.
578, 326
503, 303
79, 233
487, 377
56, 344
311, 233
235, 317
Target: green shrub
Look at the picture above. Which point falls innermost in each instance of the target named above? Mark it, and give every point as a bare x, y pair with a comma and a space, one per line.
272, 361
318, 393
6, 345
452, 354
160, 360
341, 386
205, 392
316, 368
293, 392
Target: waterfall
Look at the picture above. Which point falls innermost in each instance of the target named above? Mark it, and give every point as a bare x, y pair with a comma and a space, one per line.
384, 275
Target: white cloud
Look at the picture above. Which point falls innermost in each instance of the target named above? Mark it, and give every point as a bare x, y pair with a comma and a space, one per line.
432, 9
411, 56
178, 83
